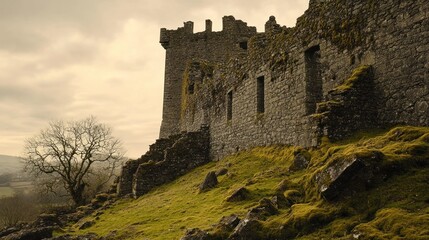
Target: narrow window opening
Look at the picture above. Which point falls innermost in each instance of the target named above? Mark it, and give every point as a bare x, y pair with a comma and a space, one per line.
191, 89
352, 59
313, 79
243, 45
229, 106
260, 91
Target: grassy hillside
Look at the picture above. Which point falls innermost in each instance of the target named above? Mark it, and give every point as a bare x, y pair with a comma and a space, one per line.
10, 164
395, 206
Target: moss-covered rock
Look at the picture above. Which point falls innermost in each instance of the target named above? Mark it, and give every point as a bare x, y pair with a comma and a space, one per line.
345, 175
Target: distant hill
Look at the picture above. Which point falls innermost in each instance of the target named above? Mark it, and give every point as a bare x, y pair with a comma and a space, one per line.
10, 164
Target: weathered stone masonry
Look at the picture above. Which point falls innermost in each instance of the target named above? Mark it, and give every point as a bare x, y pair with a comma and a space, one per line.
166, 160
300, 67
182, 46
346, 65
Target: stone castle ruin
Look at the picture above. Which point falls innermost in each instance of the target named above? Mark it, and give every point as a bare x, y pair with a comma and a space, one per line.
345, 66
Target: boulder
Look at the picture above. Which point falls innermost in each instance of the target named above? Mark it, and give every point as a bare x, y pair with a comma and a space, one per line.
229, 222
300, 161
238, 195
209, 182
225, 226
348, 174
247, 229
265, 209
196, 234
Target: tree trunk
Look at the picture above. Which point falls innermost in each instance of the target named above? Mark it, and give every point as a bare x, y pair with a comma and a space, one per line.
77, 195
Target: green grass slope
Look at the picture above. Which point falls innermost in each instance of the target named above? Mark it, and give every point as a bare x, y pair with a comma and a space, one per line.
396, 207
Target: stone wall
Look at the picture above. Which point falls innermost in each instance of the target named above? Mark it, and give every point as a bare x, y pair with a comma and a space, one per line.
166, 160
347, 108
300, 67
155, 154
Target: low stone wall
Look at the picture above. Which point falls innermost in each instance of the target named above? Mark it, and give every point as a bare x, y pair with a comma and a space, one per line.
188, 152
155, 154
166, 160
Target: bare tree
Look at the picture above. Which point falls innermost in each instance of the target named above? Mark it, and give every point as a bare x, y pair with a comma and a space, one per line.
68, 151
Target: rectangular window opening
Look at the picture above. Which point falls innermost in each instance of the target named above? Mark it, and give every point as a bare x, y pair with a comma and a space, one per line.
313, 79
191, 89
243, 45
260, 91
229, 106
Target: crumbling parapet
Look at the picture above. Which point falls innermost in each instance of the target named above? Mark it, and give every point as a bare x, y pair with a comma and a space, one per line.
166, 160
155, 154
188, 152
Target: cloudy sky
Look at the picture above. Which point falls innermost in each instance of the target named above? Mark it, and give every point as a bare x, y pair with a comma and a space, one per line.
68, 59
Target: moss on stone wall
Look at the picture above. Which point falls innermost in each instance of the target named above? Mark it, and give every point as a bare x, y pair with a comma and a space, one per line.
197, 75
345, 27
347, 107
360, 73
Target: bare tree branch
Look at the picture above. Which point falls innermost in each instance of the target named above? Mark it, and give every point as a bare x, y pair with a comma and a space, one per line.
70, 150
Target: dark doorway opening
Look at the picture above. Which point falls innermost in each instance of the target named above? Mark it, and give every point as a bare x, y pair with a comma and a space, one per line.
313, 79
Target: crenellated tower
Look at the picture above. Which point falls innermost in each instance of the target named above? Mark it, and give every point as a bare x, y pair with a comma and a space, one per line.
182, 46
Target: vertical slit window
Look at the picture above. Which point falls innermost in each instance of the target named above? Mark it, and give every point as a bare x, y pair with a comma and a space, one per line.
191, 89
313, 79
260, 91
229, 106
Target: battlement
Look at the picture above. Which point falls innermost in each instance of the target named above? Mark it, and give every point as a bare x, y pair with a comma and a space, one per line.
183, 45
230, 26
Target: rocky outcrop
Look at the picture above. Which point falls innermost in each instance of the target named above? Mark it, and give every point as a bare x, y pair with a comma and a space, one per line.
229, 222
209, 182
238, 195
264, 209
247, 229
349, 174
31, 234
